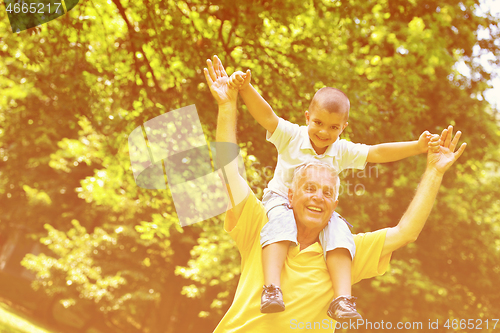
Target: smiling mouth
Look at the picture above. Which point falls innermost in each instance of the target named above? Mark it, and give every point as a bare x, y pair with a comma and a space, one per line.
315, 209
320, 139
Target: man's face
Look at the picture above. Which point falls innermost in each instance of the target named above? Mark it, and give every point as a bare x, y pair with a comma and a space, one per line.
324, 128
314, 199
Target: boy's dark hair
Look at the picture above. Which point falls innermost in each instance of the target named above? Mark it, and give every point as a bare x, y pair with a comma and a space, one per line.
332, 100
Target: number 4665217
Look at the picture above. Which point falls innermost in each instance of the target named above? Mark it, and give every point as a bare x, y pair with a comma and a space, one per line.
33, 8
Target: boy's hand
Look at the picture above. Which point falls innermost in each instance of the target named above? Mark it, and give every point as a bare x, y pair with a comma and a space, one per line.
240, 80
423, 141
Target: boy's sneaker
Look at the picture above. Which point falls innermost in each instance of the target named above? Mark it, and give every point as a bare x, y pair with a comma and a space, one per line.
271, 300
343, 308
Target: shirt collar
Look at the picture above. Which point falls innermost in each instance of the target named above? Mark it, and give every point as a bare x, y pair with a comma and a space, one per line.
306, 144
294, 251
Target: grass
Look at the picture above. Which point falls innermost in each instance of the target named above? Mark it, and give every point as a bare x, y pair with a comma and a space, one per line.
12, 322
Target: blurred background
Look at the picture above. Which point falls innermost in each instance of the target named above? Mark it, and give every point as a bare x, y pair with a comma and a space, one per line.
85, 250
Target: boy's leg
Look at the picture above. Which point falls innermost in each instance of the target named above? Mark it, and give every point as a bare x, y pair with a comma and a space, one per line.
339, 248
339, 264
273, 259
275, 239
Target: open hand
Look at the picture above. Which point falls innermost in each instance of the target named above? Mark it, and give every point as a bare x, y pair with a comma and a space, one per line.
217, 81
442, 154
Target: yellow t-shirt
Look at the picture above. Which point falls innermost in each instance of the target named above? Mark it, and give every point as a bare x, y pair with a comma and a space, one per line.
305, 282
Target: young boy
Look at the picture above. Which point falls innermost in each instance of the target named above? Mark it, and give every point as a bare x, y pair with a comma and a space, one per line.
326, 118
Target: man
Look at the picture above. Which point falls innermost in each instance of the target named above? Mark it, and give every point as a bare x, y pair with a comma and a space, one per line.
305, 279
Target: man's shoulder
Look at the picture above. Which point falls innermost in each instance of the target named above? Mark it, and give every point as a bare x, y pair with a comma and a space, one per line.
368, 234
368, 260
245, 226
369, 243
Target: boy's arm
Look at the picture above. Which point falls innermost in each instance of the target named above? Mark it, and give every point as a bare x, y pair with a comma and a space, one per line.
256, 104
395, 151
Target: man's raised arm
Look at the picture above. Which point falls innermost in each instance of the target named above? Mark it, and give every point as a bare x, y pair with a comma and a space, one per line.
226, 133
440, 157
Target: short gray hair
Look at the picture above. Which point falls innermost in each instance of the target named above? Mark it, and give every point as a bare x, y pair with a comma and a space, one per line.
300, 171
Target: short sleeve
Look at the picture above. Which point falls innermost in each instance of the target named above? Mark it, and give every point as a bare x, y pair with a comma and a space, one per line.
284, 132
353, 155
247, 229
367, 261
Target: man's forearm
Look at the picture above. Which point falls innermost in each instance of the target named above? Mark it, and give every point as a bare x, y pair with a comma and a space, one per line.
226, 133
237, 188
417, 213
259, 108
226, 123
393, 151
413, 220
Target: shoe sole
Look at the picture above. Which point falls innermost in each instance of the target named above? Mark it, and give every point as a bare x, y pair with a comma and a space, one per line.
272, 308
345, 319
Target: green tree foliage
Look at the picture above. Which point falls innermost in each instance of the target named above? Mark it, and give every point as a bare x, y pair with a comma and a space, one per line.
73, 89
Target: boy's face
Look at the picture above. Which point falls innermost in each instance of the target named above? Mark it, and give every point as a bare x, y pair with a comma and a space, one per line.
324, 128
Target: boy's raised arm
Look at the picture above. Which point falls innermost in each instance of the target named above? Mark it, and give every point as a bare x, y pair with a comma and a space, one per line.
256, 104
395, 151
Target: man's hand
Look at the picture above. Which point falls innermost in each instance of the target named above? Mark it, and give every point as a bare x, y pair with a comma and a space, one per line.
240, 80
441, 154
217, 81
440, 157
423, 141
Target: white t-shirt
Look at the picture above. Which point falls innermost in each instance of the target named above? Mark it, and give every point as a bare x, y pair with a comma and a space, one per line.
294, 149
